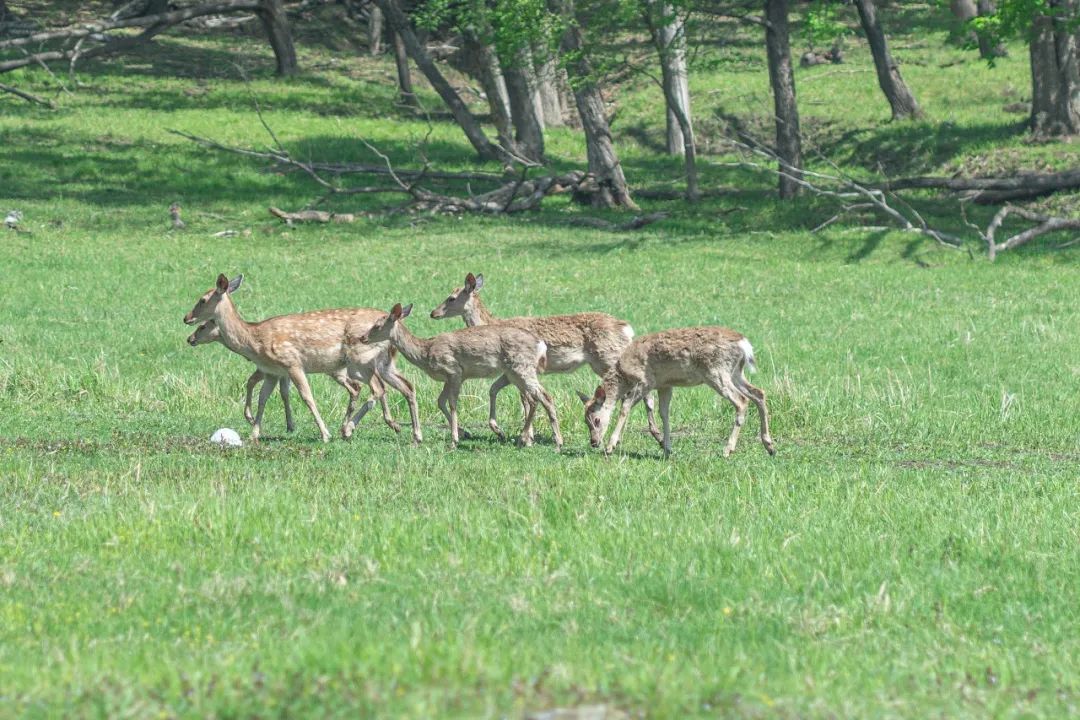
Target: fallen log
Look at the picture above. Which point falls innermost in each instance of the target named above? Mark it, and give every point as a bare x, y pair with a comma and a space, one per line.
994, 190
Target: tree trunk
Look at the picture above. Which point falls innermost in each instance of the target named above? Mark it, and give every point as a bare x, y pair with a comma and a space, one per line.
888, 72
611, 190
374, 30
276, 23
668, 37
548, 88
480, 62
788, 139
521, 90
404, 76
670, 41
400, 25
1055, 76
4, 12
988, 50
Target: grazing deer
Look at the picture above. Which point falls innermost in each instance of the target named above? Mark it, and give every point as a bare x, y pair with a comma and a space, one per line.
473, 352
593, 339
323, 341
713, 356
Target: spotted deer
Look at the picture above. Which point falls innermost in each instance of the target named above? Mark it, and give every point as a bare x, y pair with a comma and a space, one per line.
292, 346
473, 352
685, 357
591, 338
208, 333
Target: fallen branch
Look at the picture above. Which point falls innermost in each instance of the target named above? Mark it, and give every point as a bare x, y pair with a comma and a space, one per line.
1046, 225
994, 190
635, 223
316, 216
853, 195
152, 24
29, 97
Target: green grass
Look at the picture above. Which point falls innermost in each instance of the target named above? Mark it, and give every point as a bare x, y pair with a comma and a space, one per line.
910, 551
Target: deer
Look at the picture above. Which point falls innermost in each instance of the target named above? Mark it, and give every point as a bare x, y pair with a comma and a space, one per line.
685, 357
208, 332
591, 338
292, 346
473, 352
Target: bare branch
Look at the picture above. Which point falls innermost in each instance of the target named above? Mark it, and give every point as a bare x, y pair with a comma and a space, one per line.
29, 97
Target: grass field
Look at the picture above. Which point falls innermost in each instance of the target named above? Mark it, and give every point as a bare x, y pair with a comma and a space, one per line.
912, 550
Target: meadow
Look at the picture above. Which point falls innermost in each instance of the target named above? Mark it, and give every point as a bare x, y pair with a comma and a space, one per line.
911, 550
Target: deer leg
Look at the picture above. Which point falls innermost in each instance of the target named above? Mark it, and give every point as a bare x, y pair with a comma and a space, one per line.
391, 377
628, 404
283, 385
353, 388
536, 394
526, 437
665, 416
355, 385
493, 394
265, 392
378, 391
653, 430
726, 388
251, 383
452, 390
757, 396
299, 379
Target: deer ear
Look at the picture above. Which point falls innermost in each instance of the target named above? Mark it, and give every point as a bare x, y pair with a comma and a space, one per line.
406, 311
235, 283
395, 312
222, 283
470, 282
600, 395
479, 281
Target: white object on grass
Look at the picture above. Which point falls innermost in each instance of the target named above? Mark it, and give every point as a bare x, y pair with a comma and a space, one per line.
226, 437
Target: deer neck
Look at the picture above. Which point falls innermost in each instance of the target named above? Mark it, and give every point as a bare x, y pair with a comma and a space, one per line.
476, 313
414, 349
235, 332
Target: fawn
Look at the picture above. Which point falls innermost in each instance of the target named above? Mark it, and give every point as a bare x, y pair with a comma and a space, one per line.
323, 341
592, 338
685, 357
473, 352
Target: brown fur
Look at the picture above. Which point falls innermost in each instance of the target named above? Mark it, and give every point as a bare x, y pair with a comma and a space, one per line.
473, 352
591, 338
713, 356
293, 346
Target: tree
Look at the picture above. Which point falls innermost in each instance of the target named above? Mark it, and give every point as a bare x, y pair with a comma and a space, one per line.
1055, 76
375, 30
611, 190
782, 79
667, 30
521, 87
480, 62
892, 84
1051, 29
399, 23
276, 24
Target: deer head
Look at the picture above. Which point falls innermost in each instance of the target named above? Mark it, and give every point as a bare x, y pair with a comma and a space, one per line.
457, 303
207, 305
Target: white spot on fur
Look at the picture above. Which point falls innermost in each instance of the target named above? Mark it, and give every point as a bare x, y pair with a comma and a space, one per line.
748, 353
541, 350
628, 332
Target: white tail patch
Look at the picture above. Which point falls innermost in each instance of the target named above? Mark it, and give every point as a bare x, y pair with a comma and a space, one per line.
748, 353
628, 332
541, 355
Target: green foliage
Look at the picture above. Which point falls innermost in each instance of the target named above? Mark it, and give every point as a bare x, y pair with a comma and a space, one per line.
909, 552
823, 23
